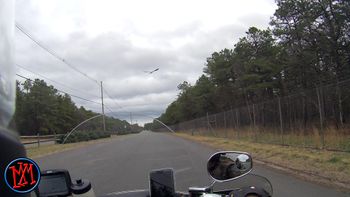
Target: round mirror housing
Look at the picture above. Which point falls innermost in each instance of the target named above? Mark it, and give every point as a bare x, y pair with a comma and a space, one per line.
229, 165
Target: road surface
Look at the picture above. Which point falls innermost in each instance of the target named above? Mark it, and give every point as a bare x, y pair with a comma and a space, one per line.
124, 163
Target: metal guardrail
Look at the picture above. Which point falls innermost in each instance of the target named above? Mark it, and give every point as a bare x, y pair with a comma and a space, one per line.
37, 136
37, 139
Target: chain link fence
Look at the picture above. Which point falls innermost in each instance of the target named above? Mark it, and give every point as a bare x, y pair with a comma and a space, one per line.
317, 118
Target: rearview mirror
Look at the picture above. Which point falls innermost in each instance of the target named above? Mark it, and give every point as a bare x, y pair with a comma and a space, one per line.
229, 165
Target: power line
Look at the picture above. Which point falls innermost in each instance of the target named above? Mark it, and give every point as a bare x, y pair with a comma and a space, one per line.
120, 107
105, 91
114, 112
109, 109
24, 77
51, 52
74, 89
72, 95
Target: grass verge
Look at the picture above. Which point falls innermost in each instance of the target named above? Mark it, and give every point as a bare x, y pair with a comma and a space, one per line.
334, 139
332, 167
35, 152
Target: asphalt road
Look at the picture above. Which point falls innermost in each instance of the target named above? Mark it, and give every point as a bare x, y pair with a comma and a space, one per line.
124, 163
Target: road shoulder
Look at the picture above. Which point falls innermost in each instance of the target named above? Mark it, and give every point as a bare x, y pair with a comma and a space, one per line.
45, 150
321, 167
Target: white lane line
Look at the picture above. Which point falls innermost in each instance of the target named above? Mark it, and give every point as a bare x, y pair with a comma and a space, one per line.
182, 170
124, 192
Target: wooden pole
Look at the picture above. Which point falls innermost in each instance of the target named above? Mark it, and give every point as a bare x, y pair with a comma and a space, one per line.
281, 120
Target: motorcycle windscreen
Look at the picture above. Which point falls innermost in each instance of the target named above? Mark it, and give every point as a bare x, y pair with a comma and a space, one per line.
246, 181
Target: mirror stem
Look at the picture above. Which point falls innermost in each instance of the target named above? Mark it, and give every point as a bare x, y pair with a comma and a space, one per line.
210, 187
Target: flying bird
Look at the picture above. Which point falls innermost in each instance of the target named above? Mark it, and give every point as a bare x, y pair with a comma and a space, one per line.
150, 72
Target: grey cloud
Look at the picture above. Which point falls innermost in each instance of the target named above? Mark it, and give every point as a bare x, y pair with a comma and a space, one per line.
257, 20
119, 62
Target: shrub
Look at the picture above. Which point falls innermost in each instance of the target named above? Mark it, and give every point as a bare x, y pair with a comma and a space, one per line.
79, 136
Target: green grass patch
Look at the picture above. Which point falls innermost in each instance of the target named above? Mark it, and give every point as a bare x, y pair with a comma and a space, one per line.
334, 160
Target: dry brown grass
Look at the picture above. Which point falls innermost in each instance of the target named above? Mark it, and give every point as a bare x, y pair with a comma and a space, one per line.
334, 166
34, 152
334, 139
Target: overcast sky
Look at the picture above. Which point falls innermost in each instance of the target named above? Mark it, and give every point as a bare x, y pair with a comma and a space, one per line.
116, 41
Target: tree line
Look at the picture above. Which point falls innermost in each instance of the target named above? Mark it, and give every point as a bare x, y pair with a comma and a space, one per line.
40, 108
305, 47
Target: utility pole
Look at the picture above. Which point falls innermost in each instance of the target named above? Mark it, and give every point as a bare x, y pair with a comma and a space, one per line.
103, 110
131, 118
131, 127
